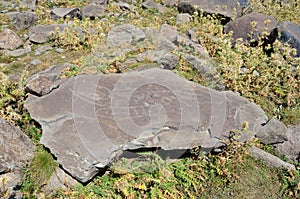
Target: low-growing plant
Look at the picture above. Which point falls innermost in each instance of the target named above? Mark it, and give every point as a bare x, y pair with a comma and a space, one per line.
38, 173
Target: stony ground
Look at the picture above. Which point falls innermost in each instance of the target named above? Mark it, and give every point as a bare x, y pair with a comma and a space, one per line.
69, 38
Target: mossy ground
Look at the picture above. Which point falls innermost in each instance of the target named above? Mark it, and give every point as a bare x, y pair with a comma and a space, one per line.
231, 174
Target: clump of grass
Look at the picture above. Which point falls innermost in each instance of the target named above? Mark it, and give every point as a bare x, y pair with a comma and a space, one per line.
38, 173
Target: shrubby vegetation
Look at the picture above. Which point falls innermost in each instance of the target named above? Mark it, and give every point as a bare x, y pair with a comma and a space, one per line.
270, 80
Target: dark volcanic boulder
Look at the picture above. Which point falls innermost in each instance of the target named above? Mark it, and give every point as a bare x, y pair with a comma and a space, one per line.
91, 119
290, 32
242, 27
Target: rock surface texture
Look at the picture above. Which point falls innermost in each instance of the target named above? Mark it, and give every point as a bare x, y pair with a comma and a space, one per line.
91, 119
253, 24
16, 148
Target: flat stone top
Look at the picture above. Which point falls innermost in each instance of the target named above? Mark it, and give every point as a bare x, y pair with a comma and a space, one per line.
91, 119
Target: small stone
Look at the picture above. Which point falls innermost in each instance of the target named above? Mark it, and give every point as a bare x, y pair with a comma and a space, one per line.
57, 13
270, 159
22, 20
183, 18
41, 33
42, 49
36, 62
272, 132
151, 4
59, 50
93, 10
9, 40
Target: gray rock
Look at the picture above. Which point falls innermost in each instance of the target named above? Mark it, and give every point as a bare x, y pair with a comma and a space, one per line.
272, 132
270, 159
290, 32
226, 8
291, 147
170, 3
124, 34
207, 70
99, 2
31, 4
122, 5
164, 44
22, 20
195, 47
36, 62
59, 50
242, 28
57, 13
151, 4
91, 119
9, 40
18, 52
42, 33
168, 61
58, 180
165, 59
11, 186
42, 49
151, 55
16, 148
169, 32
92, 11
44, 82
183, 18
193, 36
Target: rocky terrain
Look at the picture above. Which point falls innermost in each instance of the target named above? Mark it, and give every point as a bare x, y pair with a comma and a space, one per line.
103, 85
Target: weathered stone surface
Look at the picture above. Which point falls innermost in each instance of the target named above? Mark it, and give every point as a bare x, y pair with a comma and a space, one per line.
227, 8
92, 11
9, 40
290, 33
100, 2
44, 82
11, 181
91, 119
270, 159
183, 18
242, 27
16, 148
58, 180
196, 47
291, 147
22, 20
57, 13
41, 33
170, 3
151, 4
29, 4
42, 49
169, 32
124, 34
168, 61
273, 132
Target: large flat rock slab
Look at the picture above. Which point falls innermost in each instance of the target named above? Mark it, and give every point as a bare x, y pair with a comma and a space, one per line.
92, 119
